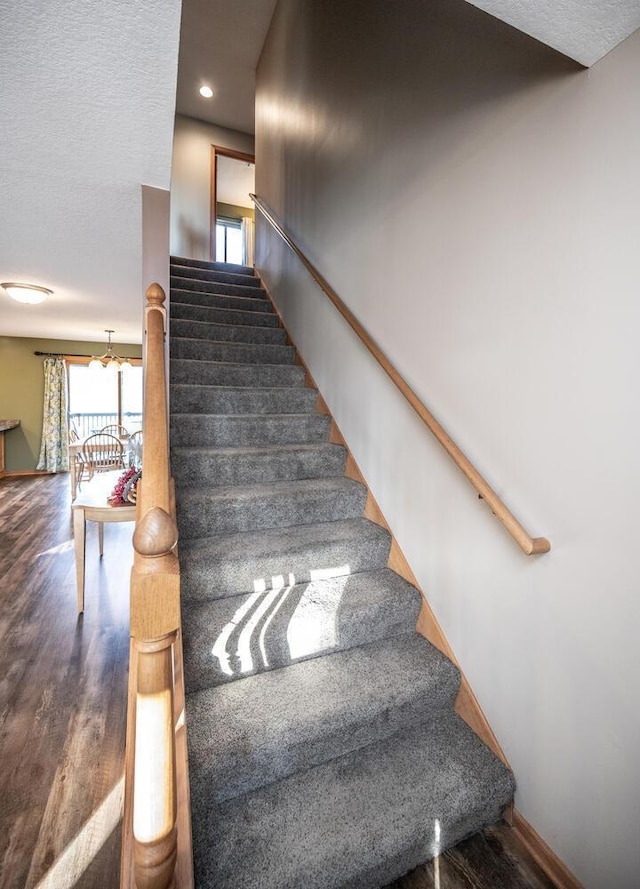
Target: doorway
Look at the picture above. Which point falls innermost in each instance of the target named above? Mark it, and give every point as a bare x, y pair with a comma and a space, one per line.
232, 212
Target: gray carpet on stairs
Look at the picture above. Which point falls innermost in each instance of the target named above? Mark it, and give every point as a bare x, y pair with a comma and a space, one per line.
324, 749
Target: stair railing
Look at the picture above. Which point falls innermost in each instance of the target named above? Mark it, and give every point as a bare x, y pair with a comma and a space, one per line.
150, 837
528, 544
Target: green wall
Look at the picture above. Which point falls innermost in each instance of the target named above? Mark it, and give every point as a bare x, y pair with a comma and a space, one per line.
22, 390
233, 211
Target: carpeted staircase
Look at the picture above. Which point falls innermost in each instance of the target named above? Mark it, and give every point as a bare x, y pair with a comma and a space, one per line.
324, 750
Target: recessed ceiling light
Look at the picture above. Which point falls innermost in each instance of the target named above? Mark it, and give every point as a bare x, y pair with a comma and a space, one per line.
206, 91
27, 293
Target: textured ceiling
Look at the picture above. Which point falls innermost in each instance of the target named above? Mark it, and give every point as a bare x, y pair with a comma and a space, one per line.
87, 107
584, 30
220, 44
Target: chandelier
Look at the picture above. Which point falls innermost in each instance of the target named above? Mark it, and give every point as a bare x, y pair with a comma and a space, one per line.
110, 360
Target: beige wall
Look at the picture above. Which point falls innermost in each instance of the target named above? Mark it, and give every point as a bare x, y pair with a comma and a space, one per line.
191, 182
155, 237
22, 390
474, 197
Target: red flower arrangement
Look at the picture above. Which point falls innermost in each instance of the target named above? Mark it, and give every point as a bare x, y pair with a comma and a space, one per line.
124, 492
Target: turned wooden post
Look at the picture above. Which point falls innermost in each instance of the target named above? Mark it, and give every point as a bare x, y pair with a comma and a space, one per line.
155, 619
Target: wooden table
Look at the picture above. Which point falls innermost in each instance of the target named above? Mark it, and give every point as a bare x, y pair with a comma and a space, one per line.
91, 505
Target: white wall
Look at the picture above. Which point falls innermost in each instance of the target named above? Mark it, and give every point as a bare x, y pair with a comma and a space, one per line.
191, 182
474, 198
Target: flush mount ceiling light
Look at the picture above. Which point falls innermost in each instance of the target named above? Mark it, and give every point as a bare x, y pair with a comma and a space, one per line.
110, 360
206, 91
26, 293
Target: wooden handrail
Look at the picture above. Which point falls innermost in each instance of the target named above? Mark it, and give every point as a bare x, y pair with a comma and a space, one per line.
150, 829
528, 544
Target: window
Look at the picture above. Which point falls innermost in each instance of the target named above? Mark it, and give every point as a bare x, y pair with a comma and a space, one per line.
229, 240
98, 398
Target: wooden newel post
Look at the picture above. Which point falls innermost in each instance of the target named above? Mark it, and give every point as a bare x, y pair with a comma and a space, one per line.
155, 621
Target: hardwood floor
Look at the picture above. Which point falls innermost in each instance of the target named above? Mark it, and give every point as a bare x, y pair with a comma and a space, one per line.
63, 690
492, 859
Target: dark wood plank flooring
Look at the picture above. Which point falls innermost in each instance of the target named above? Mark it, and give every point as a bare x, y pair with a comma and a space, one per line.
493, 859
63, 691
63, 687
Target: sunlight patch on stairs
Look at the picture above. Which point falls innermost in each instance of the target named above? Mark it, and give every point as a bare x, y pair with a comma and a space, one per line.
244, 642
219, 649
312, 627
285, 590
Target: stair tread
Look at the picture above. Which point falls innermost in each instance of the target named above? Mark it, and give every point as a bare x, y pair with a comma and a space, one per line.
184, 271
275, 416
236, 364
200, 285
207, 264
257, 353
232, 637
231, 508
241, 492
227, 430
218, 387
270, 726
228, 564
184, 450
237, 317
213, 300
225, 325
207, 331
297, 537
246, 465
213, 342
230, 400
358, 821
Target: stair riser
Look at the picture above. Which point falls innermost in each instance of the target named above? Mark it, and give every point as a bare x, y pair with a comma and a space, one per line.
210, 431
207, 516
190, 284
219, 301
209, 373
214, 469
227, 333
214, 569
216, 266
214, 276
236, 353
288, 629
184, 312
215, 400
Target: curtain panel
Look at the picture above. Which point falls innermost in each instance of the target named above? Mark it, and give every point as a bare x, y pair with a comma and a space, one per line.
54, 450
247, 240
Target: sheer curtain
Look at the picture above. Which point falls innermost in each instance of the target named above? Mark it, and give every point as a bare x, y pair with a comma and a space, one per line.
54, 450
247, 240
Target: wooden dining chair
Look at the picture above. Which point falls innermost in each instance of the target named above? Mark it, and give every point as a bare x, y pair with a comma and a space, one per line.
115, 429
102, 452
135, 446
